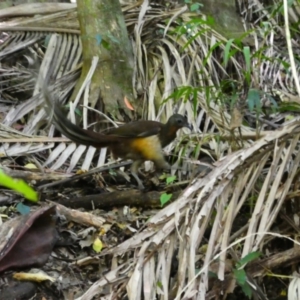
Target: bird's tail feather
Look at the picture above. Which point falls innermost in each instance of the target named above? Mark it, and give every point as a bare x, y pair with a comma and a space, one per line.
73, 132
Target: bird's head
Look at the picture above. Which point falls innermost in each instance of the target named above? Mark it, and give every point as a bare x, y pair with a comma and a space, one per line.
178, 121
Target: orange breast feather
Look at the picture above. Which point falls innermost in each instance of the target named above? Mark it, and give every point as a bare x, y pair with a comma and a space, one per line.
149, 147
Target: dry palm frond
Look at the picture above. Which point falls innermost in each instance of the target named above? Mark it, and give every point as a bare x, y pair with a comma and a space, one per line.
276, 73
162, 63
26, 143
177, 231
172, 51
67, 60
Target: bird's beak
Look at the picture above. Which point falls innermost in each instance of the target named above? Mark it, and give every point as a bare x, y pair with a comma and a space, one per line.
189, 126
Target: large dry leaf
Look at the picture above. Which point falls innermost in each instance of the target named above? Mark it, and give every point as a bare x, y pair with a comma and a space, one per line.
28, 240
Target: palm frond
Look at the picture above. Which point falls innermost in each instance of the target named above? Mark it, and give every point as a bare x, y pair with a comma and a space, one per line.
173, 50
222, 193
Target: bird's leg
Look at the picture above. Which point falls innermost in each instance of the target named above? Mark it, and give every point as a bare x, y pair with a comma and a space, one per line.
160, 163
141, 173
134, 172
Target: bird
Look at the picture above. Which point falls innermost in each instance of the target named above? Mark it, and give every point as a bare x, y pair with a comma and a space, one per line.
140, 141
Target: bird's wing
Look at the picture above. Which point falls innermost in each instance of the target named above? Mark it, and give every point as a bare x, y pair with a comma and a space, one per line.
136, 129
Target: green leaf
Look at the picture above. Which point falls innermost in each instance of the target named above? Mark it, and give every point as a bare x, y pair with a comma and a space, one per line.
76, 110
289, 107
240, 276
106, 44
113, 38
290, 2
184, 93
254, 100
97, 245
163, 176
227, 53
247, 55
248, 258
171, 179
212, 275
195, 6
165, 198
195, 101
241, 279
98, 39
207, 58
197, 150
210, 21
19, 186
247, 290
23, 209
47, 39
274, 106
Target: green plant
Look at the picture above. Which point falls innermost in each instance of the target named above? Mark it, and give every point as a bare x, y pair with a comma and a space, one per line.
240, 274
165, 197
194, 7
21, 187
185, 93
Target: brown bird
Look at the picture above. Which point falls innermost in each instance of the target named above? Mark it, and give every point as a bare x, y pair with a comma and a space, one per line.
138, 140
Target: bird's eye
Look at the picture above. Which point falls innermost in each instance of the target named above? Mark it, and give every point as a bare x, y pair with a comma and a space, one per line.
179, 121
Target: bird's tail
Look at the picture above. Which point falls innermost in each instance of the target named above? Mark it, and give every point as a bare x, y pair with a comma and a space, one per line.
73, 132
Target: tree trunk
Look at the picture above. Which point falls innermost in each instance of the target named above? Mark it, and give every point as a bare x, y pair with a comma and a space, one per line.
104, 34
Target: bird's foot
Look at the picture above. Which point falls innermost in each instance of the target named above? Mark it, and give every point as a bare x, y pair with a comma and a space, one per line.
139, 182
